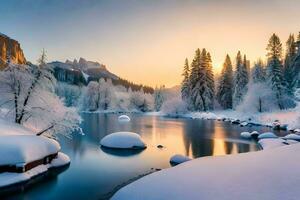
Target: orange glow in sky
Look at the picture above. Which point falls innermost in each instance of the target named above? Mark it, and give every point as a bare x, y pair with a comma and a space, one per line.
148, 41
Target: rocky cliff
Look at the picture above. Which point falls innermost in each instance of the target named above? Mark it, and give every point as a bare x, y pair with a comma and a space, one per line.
9, 45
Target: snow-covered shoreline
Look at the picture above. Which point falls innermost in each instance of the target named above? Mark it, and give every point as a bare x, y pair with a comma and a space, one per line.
286, 117
253, 175
24, 155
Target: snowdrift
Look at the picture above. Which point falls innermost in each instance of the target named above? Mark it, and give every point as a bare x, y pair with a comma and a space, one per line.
123, 140
178, 159
268, 175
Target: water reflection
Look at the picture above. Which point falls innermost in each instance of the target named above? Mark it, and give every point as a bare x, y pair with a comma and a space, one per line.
95, 172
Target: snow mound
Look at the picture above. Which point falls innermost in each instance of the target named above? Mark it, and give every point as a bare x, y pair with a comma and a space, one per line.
270, 143
292, 136
17, 149
246, 135
124, 118
9, 178
61, 160
247, 176
297, 130
9, 128
244, 124
123, 140
177, 159
254, 133
267, 135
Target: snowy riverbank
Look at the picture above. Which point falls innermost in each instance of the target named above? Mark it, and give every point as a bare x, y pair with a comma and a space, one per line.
290, 117
23, 155
255, 175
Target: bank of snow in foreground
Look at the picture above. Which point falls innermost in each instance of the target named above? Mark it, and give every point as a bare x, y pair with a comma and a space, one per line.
268, 174
24, 155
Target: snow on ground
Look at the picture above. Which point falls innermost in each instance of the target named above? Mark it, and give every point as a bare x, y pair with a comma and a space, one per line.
123, 140
9, 128
292, 136
178, 159
267, 135
9, 178
270, 143
124, 118
268, 175
289, 117
19, 145
17, 149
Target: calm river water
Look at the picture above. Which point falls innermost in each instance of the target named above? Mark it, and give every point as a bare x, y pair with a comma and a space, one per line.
97, 173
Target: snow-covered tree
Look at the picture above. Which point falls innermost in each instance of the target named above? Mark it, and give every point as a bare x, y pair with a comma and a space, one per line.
259, 72
69, 93
275, 72
289, 71
210, 80
158, 98
91, 97
185, 87
241, 79
259, 98
296, 65
194, 99
201, 82
225, 88
27, 92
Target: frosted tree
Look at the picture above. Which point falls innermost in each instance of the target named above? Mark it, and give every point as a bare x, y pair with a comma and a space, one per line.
69, 93
202, 82
210, 82
259, 72
275, 70
296, 65
158, 98
194, 99
289, 71
197, 82
240, 79
225, 88
91, 97
27, 92
185, 87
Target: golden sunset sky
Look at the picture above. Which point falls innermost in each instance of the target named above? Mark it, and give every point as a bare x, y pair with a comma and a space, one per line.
147, 41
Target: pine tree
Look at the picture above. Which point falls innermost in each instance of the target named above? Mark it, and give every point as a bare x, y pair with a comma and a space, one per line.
225, 88
274, 69
240, 80
158, 98
259, 72
296, 64
289, 72
210, 82
185, 88
195, 101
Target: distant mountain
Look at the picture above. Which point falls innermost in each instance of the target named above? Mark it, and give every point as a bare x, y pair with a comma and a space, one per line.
10, 45
81, 72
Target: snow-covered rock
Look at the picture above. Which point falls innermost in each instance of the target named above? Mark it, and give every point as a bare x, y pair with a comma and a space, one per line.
297, 130
292, 136
254, 133
9, 178
177, 159
61, 160
9, 128
267, 135
123, 140
124, 118
247, 176
17, 149
244, 124
270, 143
246, 135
